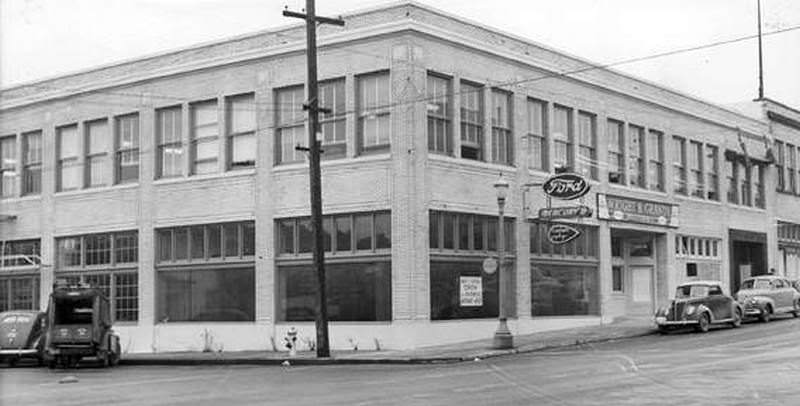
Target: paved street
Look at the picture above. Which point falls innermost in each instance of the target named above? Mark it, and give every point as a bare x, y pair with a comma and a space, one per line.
756, 364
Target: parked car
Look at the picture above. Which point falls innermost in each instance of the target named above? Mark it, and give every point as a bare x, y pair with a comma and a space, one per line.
699, 304
21, 335
767, 295
79, 320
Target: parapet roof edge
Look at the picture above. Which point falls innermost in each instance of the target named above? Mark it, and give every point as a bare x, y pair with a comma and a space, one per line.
387, 6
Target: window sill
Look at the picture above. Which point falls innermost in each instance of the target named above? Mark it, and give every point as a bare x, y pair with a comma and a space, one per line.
23, 198
332, 163
466, 162
211, 176
93, 190
626, 188
748, 208
697, 200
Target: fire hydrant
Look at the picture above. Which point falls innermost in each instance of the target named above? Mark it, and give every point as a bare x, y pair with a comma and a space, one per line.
291, 341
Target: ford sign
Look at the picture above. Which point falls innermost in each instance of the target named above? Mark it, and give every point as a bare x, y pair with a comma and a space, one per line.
562, 234
566, 186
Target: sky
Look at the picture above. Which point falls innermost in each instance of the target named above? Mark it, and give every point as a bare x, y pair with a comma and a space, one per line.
46, 38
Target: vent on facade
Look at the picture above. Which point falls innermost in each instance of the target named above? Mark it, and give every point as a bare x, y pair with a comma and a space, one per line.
562, 169
615, 177
691, 269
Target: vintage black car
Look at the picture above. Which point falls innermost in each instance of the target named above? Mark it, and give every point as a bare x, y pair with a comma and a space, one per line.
699, 304
21, 335
79, 323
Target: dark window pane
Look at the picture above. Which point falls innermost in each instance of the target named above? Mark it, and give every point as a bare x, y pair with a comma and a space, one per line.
564, 290
343, 233
491, 223
198, 242
98, 249
214, 241
327, 233
463, 231
181, 243
165, 245
355, 291
305, 237
126, 296
445, 291
478, 225
433, 229
230, 233
448, 230
126, 247
248, 238
286, 236
207, 295
69, 251
363, 225
383, 230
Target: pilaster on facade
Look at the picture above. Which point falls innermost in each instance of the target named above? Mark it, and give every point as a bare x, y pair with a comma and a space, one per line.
264, 202
146, 217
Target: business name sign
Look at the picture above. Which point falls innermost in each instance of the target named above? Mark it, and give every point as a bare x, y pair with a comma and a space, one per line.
551, 213
566, 186
562, 234
628, 209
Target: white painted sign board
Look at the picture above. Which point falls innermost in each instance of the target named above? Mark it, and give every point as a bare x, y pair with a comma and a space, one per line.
471, 292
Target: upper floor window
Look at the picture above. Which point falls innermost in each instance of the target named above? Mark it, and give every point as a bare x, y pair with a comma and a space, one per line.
757, 175
587, 140
471, 121
32, 163
290, 130
204, 137
731, 176
170, 142
744, 173
697, 247
502, 139
374, 126
616, 151
97, 142
679, 178
8, 165
127, 156
696, 168
537, 139
333, 124
562, 139
791, 166
69, 169
105, 249
779, 165
241, 131
20, 253
712, 177
655, 160
439, 108
636, 173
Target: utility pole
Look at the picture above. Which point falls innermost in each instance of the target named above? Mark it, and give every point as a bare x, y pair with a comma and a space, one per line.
315, 178
760, 58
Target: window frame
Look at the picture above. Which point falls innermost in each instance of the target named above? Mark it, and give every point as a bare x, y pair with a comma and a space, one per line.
537, 136
175, 144
568, 139
8, 164
472, 119
591, 147
71, 162
377, 112
96, 157
617, 176
636, 156
655, 160
502, 127
439, 110
233, 134
126, 155
195, 142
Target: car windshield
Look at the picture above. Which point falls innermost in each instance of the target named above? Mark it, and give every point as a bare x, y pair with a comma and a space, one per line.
686, 291
756, 284
73, 311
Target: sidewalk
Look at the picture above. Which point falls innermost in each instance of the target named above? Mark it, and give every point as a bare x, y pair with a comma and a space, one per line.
466, 351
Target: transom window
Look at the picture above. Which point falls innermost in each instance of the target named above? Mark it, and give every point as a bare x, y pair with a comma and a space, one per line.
697, 247
207, 242
20, 253
342, 233
468, 233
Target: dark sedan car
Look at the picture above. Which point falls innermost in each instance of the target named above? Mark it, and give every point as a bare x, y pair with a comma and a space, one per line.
21, 335
699, 304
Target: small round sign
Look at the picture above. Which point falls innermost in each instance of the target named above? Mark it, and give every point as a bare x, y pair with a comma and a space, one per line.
489, 265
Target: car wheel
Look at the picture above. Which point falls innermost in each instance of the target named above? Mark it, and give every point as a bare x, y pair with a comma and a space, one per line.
703, 323
737, 318
765, 315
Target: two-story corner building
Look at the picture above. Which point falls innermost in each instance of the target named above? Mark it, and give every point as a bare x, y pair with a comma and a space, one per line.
173, 183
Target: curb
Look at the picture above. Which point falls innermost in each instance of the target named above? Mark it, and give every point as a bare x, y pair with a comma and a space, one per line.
180, 361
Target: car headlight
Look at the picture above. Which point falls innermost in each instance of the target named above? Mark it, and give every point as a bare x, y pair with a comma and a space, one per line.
690, 309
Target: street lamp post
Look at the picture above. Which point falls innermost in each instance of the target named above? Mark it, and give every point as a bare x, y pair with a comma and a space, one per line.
502, 336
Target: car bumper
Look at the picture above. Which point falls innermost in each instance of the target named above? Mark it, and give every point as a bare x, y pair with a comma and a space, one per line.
663, 322
753, 311
19, 352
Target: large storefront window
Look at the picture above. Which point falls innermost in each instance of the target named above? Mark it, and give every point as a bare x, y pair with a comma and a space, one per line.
19, 274
206, 272
358, 272
106, 261
206, 295
564, 290
447, 278
355, 292
564, 277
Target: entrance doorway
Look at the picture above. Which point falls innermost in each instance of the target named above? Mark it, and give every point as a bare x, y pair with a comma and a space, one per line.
640, 298
748, 253
634, 263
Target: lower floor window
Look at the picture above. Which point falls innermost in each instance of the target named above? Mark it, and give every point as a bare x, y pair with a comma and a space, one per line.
357, 291
221, 294
121, 289
564, 290
450, 280
19, 292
